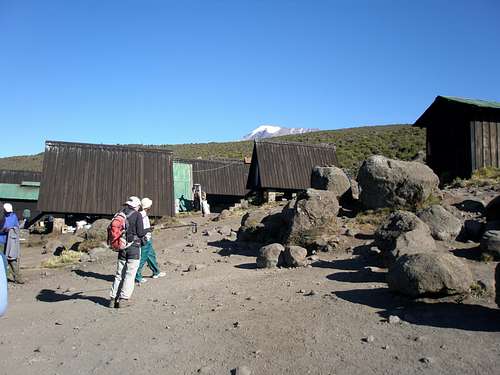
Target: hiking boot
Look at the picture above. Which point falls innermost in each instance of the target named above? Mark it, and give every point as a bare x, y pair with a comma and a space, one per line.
122, 303
112, 303
158, 275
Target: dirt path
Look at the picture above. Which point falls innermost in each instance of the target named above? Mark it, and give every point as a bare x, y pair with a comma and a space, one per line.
227, 314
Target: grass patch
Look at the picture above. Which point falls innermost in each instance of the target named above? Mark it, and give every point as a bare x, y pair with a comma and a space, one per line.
373, 217
67, 257
488, 176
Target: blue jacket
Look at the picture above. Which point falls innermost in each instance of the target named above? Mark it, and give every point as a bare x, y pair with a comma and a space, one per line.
10, 222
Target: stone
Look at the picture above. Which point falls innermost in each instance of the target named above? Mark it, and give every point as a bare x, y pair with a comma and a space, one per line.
224, 230
270, 256
403, 233
98, 230
394, 319
492, 211
223, 215
432, 275
490, 243
394, 183
332, 179
295, 256
370, 338
314, 215
263, 226
242, 370
443, 225
244, 204
209, 232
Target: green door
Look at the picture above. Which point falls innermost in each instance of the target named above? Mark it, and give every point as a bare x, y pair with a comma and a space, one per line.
183, 183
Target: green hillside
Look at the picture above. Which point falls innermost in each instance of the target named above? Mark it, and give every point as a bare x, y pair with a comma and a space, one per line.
353, 146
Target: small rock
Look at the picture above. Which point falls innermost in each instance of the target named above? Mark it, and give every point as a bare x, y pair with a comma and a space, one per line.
350, 233
369, 339
311, 293
302, 291
393, 319
386, 347
242, 370
426, 360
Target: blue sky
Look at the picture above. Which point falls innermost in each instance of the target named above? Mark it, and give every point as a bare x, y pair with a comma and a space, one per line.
190, 71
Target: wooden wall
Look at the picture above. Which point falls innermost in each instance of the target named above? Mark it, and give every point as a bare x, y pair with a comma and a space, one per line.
97, 179
17, 177
485, 144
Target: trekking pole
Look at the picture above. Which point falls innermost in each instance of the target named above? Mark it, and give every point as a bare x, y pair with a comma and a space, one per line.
193, 225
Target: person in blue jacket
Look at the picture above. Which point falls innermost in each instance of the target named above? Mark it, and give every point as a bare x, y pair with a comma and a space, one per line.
10, 221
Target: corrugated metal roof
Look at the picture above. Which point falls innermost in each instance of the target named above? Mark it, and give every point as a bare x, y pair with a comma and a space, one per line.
444, 106
287, 165
20, 192
476, 102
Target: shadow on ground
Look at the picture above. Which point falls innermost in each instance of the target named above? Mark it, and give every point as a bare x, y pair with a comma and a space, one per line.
95, 275
473, 253
228, 247
437, 314
49, 295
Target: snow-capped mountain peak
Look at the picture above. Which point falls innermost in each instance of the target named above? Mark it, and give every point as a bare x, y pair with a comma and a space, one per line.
268, 131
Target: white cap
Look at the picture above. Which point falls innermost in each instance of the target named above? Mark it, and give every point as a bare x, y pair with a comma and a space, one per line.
7, 207
146, 203
133, 202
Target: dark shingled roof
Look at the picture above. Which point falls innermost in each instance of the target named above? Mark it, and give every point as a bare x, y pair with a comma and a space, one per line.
287, 165
18, 177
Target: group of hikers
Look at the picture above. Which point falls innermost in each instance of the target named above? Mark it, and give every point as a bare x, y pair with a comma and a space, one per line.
135, 250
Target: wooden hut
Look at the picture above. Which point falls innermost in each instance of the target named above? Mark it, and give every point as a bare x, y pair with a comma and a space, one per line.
286, 166
96, 179
462, 136
224, 180
21, 189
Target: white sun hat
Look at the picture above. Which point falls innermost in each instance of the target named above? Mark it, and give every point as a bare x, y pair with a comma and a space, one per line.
146, 203
133, 202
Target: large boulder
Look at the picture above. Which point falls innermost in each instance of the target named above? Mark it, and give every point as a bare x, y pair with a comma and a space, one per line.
403, 233
99, 230
493, 210
490, 243
270, 256
315, 211
394, 183
332, 179
295, 256
429, 275
443, 225
263, 226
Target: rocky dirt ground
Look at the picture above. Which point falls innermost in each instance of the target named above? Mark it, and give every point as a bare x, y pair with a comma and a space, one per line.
215, 312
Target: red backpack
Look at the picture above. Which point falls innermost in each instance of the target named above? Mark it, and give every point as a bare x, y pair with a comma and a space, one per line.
117, 231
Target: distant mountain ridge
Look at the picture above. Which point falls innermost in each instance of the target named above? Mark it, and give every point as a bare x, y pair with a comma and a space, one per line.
353, 146
269, 131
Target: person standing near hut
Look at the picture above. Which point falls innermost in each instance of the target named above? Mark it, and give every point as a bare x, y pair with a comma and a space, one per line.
148, 254
128, 258
9, 241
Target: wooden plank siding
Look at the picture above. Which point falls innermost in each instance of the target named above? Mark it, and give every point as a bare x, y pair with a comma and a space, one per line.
17, 177
485, 142
97, 179
287, 166
223, 177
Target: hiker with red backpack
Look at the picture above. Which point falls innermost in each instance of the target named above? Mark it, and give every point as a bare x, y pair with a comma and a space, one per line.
125, 233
